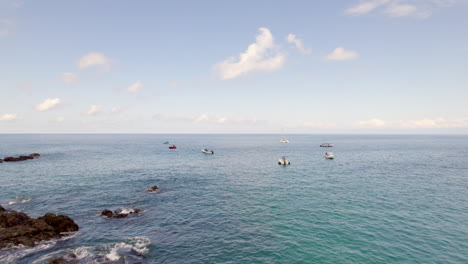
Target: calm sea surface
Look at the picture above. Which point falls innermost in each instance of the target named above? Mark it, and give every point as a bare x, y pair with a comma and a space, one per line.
383, 199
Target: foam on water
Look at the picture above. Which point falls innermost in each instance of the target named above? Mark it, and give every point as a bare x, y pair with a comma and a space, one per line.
138, 245
18, 200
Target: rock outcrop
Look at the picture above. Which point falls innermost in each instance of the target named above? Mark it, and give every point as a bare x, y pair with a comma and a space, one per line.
153, 189
20, 158
17, 228
120, 213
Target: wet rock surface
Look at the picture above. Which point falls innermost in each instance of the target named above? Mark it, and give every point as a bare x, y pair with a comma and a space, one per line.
17, 228
120, 213
153, 189
20, 158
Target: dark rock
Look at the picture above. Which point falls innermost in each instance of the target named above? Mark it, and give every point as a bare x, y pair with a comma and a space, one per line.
20, 158
2, 209
61, 223
107, 213
119, 214
34, 155
17, 228
57, 260
153, 189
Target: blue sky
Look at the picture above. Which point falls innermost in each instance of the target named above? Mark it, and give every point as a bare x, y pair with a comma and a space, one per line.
357, 66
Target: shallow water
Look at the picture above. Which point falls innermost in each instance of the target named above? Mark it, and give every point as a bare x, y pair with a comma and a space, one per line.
383, 199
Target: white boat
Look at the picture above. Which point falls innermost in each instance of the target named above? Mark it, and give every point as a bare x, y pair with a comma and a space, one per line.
284, 140
329, 155
206, 151
326, 145
283, 161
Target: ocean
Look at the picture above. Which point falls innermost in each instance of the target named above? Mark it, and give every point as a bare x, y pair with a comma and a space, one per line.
383, 199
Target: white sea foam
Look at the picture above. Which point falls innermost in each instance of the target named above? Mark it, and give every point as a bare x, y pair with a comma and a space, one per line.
10, 255
137, 245
19, 200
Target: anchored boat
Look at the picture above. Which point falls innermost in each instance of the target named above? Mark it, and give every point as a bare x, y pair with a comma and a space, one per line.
172, 147
329, 155
166, 142
284, 140
206, 151
326, 145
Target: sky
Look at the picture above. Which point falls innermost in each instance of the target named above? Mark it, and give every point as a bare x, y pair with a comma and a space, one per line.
346, 67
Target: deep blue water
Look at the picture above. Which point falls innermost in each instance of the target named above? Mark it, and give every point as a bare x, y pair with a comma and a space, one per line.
383, 199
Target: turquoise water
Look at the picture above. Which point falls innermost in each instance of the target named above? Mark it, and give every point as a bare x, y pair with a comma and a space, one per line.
383, 199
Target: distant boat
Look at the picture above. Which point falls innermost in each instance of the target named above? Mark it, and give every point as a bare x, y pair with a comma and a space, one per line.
329, 155
166, 142
172, 147
206, 151
326, 145
283, 161
284, 140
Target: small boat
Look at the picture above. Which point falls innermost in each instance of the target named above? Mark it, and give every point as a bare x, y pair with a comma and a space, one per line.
166, 142
283, 161
172, 147
326, 145
206, 151
284, 140
329, 155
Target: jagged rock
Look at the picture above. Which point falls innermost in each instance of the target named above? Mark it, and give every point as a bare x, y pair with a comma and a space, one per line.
17, 228
119, 214
61, 223
2, 209
107, 213
153, 189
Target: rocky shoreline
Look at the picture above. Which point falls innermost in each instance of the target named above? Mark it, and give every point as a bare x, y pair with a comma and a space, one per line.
17, 228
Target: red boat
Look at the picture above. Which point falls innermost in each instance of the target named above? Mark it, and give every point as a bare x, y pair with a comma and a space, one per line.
172, 147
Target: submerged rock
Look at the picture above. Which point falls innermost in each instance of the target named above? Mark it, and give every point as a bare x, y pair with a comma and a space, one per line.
17, 228
120, 213
153, 189
20, 158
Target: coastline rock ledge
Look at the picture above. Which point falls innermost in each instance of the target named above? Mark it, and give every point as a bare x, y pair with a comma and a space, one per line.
20, 158
17, 228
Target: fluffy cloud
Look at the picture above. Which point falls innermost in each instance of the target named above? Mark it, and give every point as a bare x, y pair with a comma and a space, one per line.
69, 78
340, 54
291, 38
48, 104
259, 56
116, 110
93, 110
94, 59
134, 87
398, 8
201, 118
60, 119
9, 117
4, 27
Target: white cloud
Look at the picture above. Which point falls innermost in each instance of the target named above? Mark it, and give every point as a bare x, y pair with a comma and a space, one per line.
48, 104
371, 123
116, 110
364, 7
399, 8
93, 110
134, 87
69, 78
259, 56
291, 38
60, 119
340, 54
9, 117
201, 118
222, 120
94, 59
